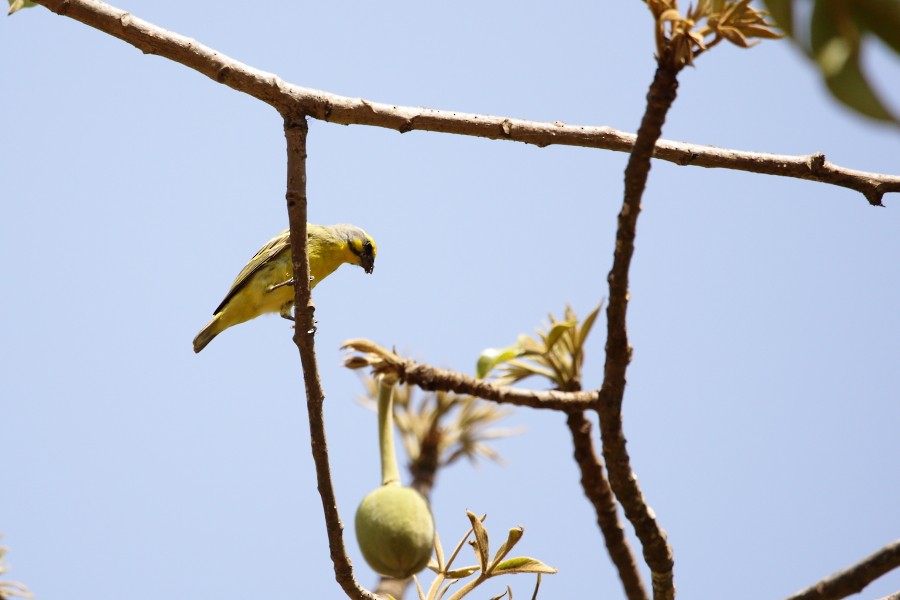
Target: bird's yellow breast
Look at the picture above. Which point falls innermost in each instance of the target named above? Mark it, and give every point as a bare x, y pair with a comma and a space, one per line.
254, 298
257, 295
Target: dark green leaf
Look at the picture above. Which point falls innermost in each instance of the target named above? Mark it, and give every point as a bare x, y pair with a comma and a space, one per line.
783, 13
835, 46
882, 18
850, 86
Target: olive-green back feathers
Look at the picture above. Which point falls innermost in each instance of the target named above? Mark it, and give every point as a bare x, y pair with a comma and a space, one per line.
263, 285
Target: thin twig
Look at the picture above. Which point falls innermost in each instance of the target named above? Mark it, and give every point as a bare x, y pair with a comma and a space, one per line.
295, 131
656, 549
853, 579
289, 98
596, 488
429, 378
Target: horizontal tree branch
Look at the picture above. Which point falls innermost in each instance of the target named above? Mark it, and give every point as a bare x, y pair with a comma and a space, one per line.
292, 99
853, 579
429, 378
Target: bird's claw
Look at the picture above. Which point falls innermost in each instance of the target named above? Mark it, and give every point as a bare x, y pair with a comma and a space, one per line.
275, 286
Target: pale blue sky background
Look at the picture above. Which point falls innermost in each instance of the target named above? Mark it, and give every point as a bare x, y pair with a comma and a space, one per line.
762, 407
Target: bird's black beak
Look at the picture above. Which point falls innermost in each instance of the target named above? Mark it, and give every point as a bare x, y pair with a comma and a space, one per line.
367, 262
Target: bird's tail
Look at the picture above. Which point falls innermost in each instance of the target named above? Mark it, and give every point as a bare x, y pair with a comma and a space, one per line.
206, 335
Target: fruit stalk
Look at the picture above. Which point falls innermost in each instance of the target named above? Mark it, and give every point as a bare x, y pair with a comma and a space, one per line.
390, 474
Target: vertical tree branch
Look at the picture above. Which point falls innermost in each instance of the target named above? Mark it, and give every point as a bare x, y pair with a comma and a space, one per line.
596, 488
656, 549
295, 131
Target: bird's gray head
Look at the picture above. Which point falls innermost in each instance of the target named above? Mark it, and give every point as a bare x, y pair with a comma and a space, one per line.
361, 245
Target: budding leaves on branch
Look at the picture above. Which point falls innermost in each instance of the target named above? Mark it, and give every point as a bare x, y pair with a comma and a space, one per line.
487, 567
683, 37
555, 353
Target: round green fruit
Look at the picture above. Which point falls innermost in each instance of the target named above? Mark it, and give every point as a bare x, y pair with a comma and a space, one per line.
395, 531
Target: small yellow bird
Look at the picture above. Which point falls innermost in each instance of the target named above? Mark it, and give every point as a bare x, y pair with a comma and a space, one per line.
266, 283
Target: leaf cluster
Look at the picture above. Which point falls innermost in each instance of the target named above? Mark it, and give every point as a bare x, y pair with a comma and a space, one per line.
555, 353
488, 566
11, 589
458, 426
706, 24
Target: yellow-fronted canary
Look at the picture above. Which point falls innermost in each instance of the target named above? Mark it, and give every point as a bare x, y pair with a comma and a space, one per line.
265, 284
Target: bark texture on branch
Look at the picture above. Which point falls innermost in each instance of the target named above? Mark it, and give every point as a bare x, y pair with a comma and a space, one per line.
432, 379
855, 578
596, 488
289, 98
657, 552
295, 131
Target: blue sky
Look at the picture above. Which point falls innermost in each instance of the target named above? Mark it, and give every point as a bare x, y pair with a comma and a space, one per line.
762, 402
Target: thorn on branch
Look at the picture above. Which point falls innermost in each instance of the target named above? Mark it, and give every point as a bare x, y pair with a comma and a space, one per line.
816, 163
223, 73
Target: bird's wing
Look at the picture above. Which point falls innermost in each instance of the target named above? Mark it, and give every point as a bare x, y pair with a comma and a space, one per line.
272, 248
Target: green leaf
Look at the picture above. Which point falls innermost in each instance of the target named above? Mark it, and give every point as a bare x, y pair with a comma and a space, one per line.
522, 564
462, 572
837, 31
517, 370
828, 25
491, 357
557, 330
17, 5
515, 534
783, 13
480, 543
835, 44
882, 18
587, 325
849, 85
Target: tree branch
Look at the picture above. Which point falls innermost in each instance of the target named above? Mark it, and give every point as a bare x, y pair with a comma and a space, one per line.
657, 552
295, 131
596, 488
853, 579
429, 378
289, 98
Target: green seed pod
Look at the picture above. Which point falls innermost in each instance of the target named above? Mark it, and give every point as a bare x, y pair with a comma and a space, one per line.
395, 531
